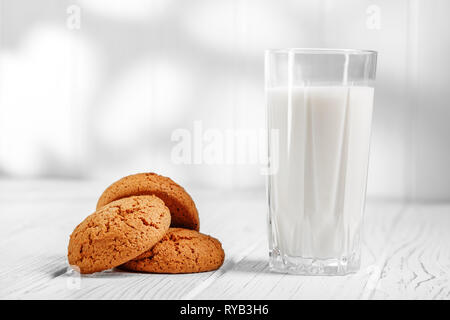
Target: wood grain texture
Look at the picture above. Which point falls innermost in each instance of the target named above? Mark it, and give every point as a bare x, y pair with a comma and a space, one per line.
251, 277
406, 251
417, 263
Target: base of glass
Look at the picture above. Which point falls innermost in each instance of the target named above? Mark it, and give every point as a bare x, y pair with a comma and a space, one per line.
313, 267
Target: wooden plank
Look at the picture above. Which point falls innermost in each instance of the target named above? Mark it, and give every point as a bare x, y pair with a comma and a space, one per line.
36, 223
251, 278
405, 251
417, 263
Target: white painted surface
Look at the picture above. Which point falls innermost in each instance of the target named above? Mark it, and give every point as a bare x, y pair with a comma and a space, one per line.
406, 251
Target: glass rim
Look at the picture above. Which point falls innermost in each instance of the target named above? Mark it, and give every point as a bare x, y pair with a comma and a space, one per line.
320, 51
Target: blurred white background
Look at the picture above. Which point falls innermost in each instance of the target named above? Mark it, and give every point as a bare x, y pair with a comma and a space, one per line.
94, 89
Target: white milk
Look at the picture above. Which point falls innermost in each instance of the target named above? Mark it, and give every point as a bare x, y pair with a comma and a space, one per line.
317, 195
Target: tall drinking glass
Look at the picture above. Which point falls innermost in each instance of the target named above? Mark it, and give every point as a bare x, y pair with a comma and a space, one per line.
319, 113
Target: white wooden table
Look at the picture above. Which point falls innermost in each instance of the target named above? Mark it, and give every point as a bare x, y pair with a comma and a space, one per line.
406, 252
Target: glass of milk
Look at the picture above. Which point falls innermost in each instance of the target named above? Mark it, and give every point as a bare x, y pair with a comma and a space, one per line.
319, 113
